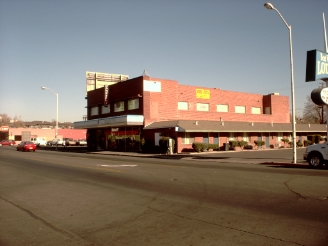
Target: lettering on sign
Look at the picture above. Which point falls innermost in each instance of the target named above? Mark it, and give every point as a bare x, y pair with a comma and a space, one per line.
322, 64
106, 96
204, 94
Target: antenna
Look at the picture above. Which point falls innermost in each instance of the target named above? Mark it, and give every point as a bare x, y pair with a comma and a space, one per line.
324, 32
145, 73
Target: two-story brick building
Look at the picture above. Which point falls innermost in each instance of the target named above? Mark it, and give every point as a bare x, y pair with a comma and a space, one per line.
119, 116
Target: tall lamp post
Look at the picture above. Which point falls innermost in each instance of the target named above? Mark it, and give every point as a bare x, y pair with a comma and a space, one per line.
46, 88
271, 7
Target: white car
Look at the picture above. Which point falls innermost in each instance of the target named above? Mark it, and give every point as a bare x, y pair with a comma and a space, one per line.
316, 154
39, 141
81, 142
57, 141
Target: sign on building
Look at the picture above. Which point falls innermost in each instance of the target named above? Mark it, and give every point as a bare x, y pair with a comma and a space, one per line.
316, 66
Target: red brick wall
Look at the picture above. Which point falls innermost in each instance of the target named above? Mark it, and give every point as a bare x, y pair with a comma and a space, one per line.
161, 106
126, 90
164, 105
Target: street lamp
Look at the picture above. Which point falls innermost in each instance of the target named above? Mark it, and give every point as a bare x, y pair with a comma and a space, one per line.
271, 7
46, 88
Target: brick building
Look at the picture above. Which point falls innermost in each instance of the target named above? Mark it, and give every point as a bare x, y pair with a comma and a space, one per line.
119, 116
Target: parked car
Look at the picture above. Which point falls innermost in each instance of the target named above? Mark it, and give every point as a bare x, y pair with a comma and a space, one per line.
26, 146
39, 141
57, 141
7, 142
49, 143
81, 142
70, 142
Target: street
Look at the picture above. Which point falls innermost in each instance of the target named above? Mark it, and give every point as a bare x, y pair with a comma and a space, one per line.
64, 198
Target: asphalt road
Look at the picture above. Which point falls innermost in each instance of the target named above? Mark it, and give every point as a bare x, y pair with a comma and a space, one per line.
61, 198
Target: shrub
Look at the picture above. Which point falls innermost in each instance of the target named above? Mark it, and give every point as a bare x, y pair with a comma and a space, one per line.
248, 146
204, 147
307, 142
233, 144
242, 144
197, 146
299, 143
259, 143
285, 140
213, 146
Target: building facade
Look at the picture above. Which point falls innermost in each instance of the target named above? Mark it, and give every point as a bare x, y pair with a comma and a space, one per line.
125, 115
25, 134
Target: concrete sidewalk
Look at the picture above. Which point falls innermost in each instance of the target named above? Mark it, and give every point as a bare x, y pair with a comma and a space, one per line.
269, 156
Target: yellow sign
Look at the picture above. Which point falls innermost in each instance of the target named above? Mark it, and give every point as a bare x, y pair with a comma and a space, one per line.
205, 94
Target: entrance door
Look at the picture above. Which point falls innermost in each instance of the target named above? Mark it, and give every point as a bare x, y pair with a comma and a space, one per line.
267, 140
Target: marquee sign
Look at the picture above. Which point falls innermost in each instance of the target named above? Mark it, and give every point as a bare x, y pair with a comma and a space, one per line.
4, 128
316, 65
320, 96
106, 95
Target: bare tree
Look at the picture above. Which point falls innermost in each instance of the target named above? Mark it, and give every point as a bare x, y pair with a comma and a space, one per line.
313, 113
5, 119
8, 121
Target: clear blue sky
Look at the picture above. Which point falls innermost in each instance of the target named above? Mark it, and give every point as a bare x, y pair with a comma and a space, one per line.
235, 45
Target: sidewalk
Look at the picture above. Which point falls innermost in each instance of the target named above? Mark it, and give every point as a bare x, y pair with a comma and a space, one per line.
268, 156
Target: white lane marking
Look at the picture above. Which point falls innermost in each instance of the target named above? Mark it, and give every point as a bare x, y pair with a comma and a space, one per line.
117, 165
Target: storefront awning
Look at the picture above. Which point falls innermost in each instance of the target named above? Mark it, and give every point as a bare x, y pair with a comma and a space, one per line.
117, 121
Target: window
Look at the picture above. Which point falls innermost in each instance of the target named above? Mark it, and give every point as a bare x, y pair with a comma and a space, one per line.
222, 108
105, 110
119, 106
246, 137
240, 109
94, 111
188, 138
233, 136
133, 104
182, 105
267, 110
256, 110
202, 107
216, 138
205, 138
280, 136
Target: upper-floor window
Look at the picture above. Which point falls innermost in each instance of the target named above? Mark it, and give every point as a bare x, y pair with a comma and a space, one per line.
240, 109
119, 106
182, 105
133, 104
105, 110
94, 110
222, 108
256, 110
202, 107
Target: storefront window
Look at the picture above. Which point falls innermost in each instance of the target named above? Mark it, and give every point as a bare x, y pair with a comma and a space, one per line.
119, 106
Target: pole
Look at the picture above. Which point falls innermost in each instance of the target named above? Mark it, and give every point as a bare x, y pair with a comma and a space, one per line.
326, 49
56, 115
56, 128
270, 6
293, 94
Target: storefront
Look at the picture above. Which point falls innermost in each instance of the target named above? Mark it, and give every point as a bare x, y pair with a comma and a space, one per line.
121, 133
115, 138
